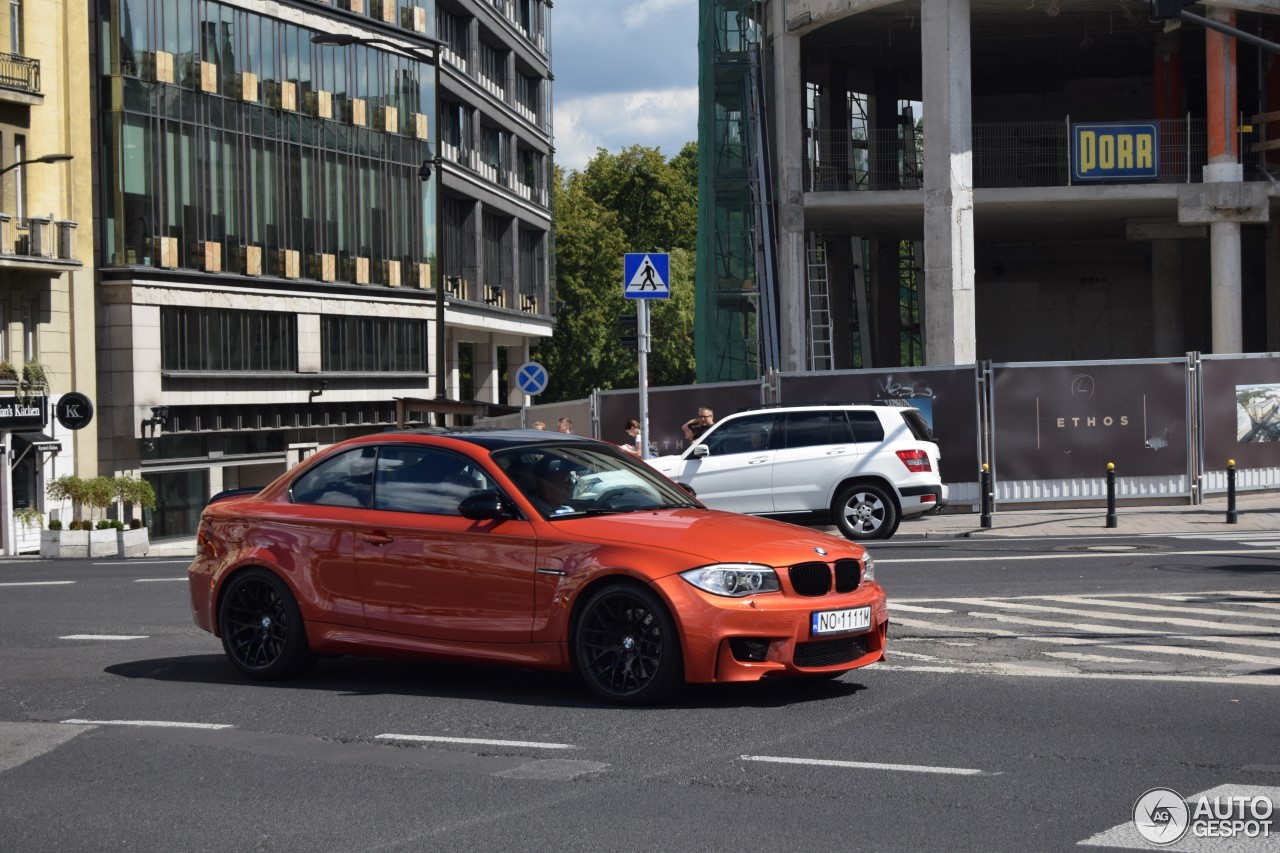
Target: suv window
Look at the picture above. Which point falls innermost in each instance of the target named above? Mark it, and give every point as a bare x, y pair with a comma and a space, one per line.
741, 435
919, 428
344, 480
866, 426
811, 429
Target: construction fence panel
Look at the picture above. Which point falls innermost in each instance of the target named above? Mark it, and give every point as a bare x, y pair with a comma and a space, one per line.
1240, 420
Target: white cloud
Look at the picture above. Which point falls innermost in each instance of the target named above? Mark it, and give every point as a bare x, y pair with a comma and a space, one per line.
638, 14
662, 118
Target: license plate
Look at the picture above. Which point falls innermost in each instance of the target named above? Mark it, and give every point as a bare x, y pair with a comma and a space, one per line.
849, 621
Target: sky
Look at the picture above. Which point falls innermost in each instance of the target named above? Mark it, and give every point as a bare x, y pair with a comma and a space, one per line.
626, 73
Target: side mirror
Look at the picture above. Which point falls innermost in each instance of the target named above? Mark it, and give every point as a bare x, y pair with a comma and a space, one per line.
699, 451
688, 489
484, 506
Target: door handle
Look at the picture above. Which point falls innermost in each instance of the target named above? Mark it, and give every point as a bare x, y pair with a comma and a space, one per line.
839, 451
758, 460
378, 538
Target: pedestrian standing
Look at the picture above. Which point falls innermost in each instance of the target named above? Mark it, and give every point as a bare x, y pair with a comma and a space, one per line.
632, 443
696, 426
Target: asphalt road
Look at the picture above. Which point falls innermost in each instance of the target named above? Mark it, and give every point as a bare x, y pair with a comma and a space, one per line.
1034, 689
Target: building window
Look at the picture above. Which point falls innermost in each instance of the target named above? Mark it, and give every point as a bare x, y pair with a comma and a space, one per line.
373, 345
20, 179
218, 340
28, 333
15, 26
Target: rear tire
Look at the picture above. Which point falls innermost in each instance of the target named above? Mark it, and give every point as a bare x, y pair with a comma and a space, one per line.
626, 646
865, 511
262, 629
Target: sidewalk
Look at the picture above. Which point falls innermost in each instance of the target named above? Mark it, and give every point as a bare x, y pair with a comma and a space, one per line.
1256, 512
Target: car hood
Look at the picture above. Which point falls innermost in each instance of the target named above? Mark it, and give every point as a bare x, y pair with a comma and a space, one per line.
714, 536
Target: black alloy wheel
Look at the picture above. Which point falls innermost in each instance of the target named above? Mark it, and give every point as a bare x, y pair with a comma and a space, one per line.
262, 630
626, 646
865, 511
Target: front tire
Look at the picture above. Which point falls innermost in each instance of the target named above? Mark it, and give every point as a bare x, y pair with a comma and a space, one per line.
626, 647
864, 511
262, 629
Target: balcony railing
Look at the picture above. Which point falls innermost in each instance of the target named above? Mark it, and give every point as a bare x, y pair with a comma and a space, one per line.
37, 237
1005, 154
19, 72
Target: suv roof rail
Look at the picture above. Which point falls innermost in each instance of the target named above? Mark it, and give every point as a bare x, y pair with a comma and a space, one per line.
894, 403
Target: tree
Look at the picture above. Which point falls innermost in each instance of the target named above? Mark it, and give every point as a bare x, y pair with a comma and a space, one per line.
633, 201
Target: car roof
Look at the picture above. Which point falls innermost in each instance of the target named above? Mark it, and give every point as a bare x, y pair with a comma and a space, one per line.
489, 439
899, 405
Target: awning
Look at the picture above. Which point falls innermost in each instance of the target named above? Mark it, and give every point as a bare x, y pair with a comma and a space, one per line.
23, 443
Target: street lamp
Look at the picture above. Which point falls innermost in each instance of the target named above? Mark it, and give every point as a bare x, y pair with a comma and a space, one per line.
47, 158
427, 57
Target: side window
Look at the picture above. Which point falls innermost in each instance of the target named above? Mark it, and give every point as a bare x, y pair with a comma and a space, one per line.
810, 429
743, 435
424, 479
344, 480
866, 426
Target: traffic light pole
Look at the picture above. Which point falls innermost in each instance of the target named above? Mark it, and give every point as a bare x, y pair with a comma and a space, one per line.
642, 350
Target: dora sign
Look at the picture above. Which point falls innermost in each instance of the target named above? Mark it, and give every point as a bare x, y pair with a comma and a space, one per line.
1115, 151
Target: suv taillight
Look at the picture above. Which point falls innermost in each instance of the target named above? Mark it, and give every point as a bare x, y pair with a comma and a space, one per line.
917, 461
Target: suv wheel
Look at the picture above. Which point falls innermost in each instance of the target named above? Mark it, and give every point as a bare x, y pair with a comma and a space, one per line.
865, 511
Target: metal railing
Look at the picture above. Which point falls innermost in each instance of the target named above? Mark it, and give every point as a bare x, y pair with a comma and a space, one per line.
1005, 154
19, 72
37, 237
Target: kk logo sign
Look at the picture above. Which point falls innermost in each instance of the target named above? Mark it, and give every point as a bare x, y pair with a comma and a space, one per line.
74, 410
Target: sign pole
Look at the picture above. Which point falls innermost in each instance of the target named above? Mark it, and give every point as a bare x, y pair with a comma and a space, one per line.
642, 350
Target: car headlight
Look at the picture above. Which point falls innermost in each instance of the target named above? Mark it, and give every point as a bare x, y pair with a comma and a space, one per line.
868, 568
733, 579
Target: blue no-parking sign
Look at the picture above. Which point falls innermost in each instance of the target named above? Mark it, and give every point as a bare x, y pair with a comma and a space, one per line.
646, 275
531, 378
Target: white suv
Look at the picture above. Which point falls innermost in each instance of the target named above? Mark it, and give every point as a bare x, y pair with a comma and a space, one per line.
862, 467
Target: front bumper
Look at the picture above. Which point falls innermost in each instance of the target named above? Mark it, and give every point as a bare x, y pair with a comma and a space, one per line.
746, 639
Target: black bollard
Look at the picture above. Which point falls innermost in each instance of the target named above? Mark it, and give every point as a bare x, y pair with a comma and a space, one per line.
1232, 516
986, 495
1111, 495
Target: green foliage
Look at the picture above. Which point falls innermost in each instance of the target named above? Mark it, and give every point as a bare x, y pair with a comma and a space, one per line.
105, 524
55, 524
134, 490
35, 381
633, 201
29, 517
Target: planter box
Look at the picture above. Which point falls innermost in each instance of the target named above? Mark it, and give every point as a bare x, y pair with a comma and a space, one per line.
102, 543
133, 543
64, 543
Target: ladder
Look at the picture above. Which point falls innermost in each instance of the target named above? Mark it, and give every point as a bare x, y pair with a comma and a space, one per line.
820, 354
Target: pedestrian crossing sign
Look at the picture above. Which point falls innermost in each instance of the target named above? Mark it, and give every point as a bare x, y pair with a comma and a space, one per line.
646, 275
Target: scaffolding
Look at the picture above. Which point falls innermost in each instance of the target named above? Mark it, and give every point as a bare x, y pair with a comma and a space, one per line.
735, 297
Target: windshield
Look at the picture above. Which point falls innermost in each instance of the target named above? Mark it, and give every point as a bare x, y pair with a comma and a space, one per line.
564, 480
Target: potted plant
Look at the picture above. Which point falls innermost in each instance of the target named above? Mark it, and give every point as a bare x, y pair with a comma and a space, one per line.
72, 542
136, 494
8, 373
51, 539
35, 381
28, 519
99, 494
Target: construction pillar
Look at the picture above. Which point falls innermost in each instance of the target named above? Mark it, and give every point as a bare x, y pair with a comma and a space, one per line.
947, 298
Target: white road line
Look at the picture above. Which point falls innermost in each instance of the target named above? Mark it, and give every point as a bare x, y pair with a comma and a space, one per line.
1110, 555
1110, 630
914, 655
866, 765
146, 563
948, 629
1021, 671
908, 608
1163, 608
105, 637
1126, 837
160, 724
529, 744
1175, 596
1198, 653
1119, 617
1082, 658
38, 583
158, 580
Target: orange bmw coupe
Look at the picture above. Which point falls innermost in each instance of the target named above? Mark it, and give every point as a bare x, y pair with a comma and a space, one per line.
528, 548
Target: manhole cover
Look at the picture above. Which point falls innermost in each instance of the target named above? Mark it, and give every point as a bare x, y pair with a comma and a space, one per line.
1111, 548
